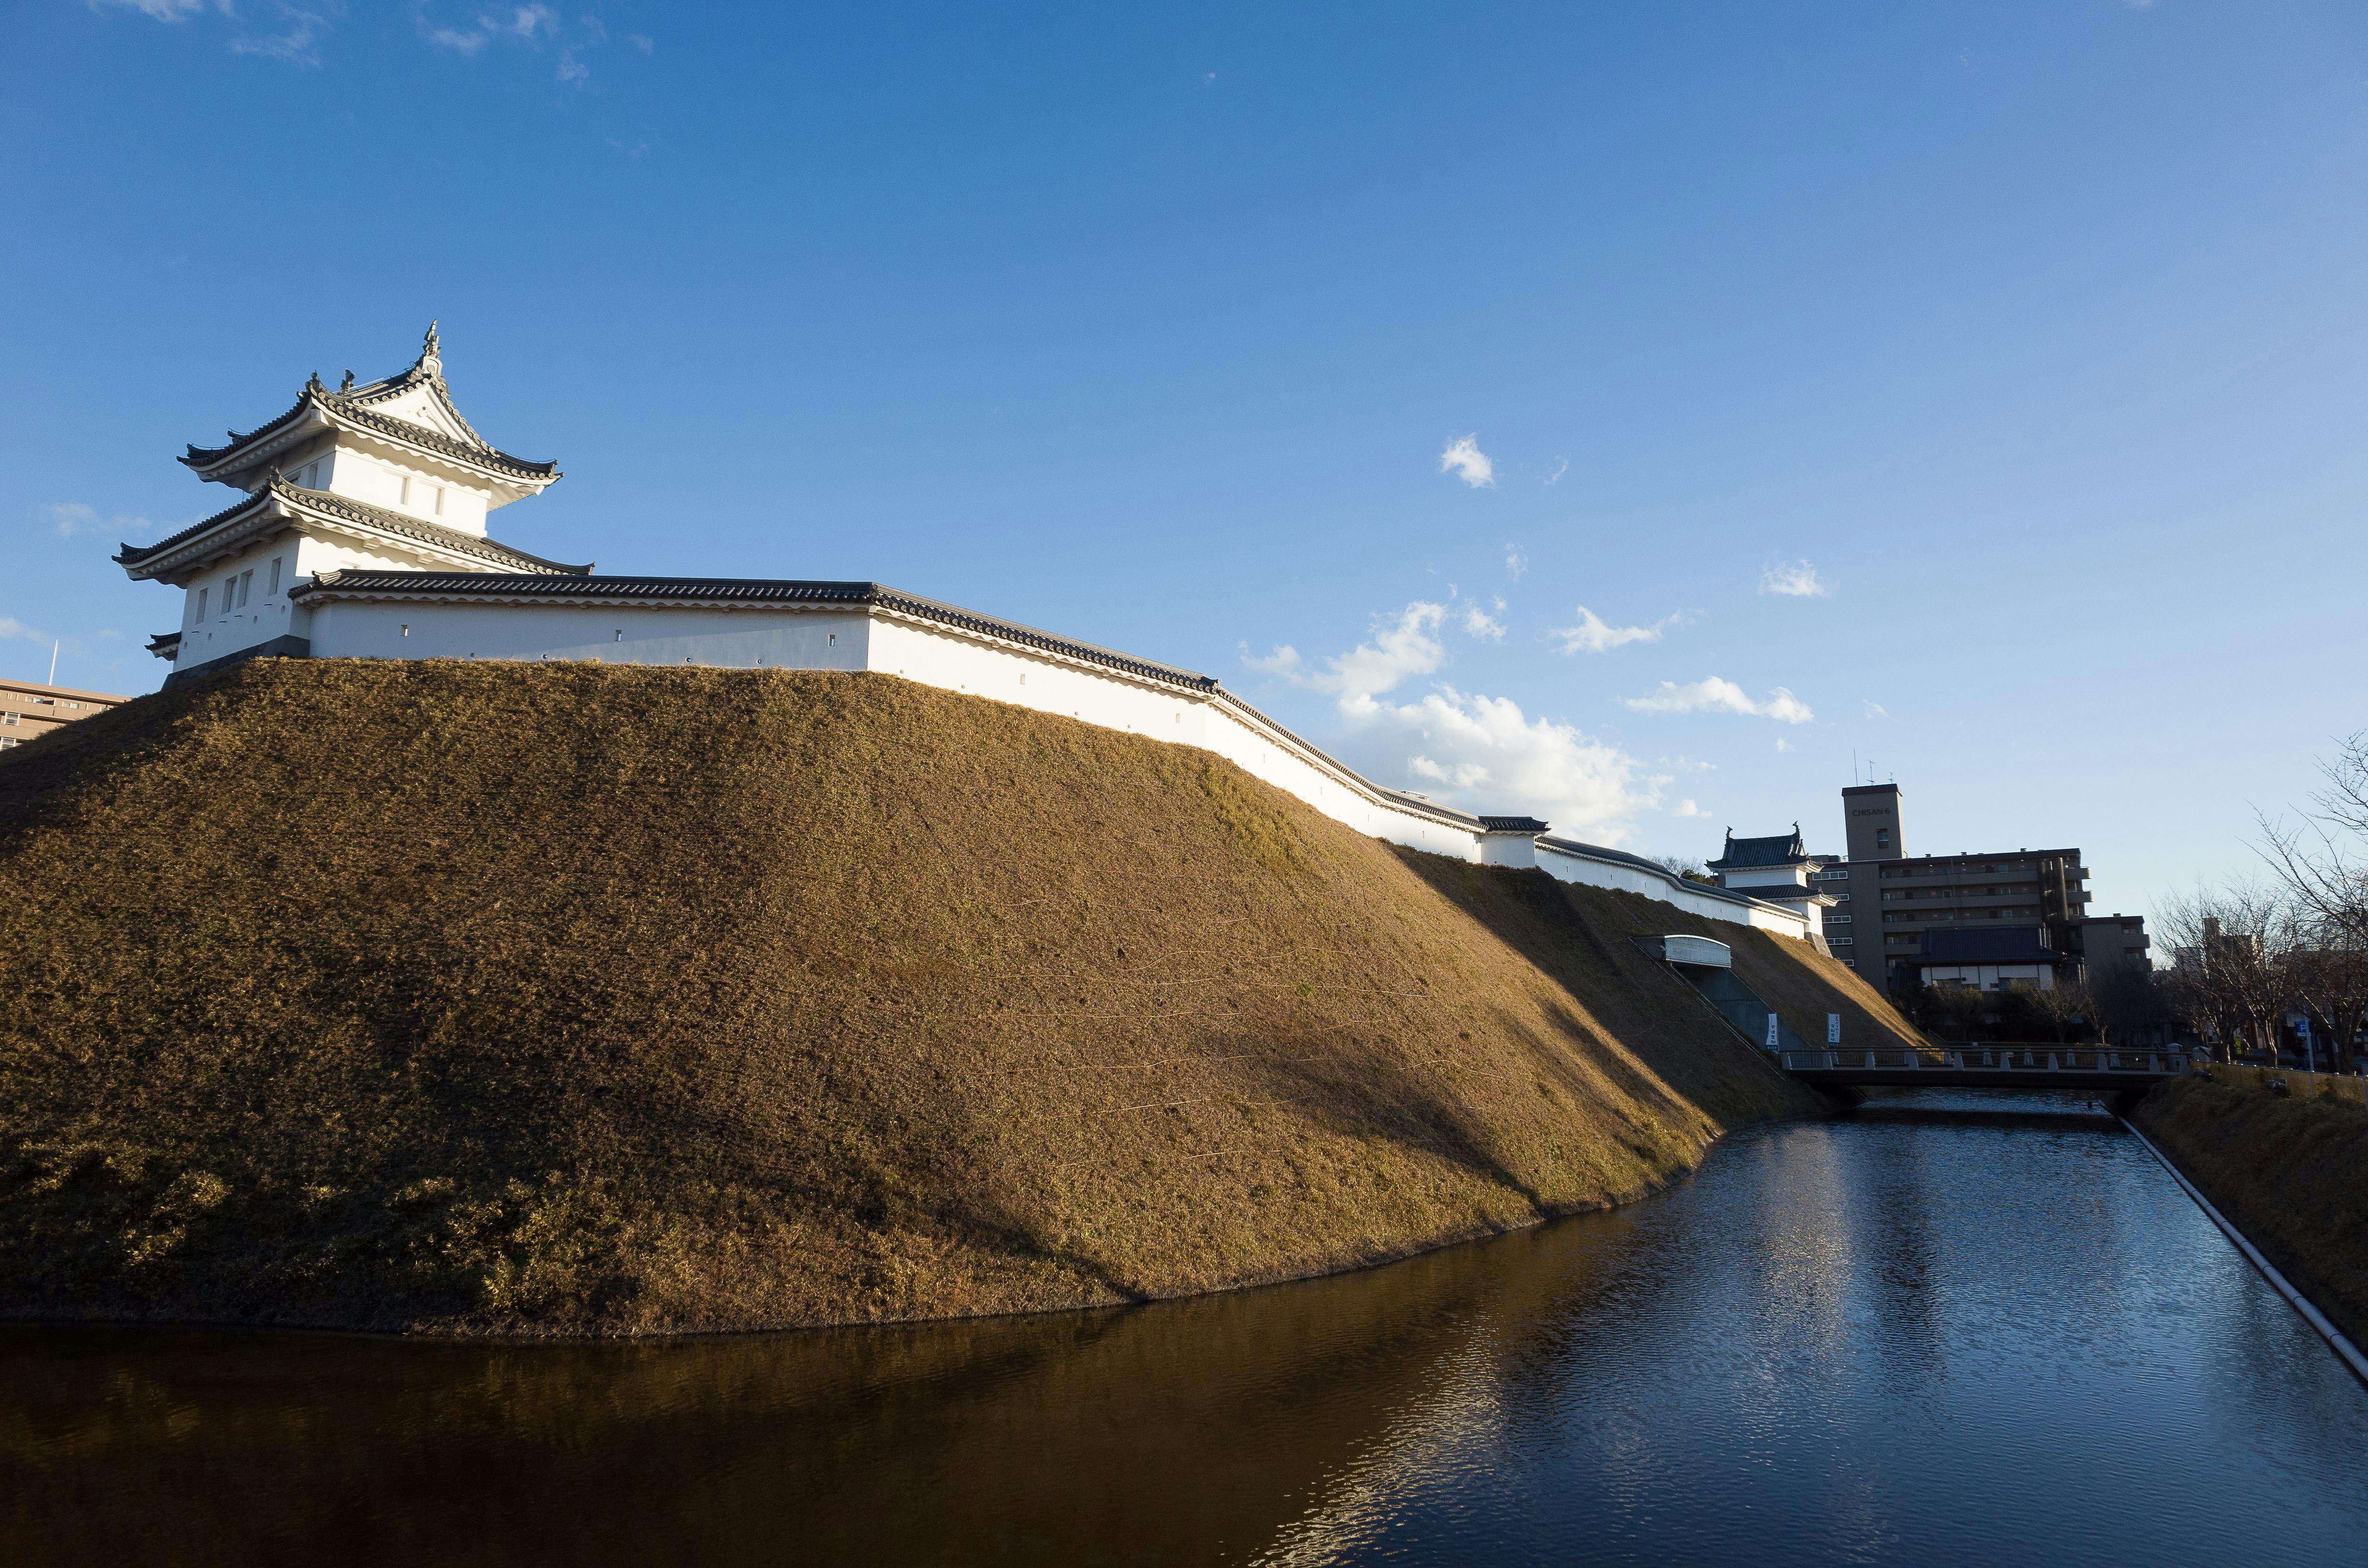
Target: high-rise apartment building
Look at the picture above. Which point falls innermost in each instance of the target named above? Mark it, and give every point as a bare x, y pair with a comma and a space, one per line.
1889, 907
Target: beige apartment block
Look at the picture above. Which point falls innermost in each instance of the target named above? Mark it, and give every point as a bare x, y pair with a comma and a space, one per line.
28, 709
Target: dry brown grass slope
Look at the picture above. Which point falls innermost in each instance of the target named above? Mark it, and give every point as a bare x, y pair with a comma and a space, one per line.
2290, 1172
591, 1000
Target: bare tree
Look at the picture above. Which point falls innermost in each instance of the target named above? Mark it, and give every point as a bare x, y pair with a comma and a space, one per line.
2225, 975
2127, 996
2060, 1006
2323, 861
1689, 869
2328, 969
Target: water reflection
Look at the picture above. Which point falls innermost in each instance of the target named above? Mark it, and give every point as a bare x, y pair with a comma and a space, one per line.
1964, 1337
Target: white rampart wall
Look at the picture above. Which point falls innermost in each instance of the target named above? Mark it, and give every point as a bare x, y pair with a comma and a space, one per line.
1655, 883
619, 635
980, 664
1050, 683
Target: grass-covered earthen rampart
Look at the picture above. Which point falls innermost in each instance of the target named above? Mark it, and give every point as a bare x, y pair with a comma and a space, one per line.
500, 998
2289, 1171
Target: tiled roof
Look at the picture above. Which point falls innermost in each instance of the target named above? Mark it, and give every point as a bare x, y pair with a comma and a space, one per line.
2002, 944
202, 457
435, 440
351, 403
134, 554
165, 644
1783, 849
1514, 824
344, 407
734, 590
344, 506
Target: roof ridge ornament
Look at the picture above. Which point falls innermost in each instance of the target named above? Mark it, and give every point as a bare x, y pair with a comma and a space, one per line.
431, 359
347, 384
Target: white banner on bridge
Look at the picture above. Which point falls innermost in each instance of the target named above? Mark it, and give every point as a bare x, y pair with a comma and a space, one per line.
1771, 1031
1833, 1028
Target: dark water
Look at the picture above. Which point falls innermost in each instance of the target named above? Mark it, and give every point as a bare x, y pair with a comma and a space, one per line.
1979, 1338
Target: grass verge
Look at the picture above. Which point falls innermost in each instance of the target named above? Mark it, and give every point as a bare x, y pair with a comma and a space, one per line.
2292, 1172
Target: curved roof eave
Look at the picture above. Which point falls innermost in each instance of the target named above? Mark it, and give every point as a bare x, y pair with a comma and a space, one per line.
349, 409
333, 509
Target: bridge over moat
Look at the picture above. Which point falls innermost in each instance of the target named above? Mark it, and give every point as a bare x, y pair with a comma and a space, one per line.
1983, 1067
1708, 967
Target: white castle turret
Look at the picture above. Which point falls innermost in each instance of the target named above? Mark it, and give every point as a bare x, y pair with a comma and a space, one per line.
385, 476
362, 536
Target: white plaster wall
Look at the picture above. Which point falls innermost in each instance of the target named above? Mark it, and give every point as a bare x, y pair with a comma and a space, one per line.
1765, 876
265, 615
1594, 873
1258, 746
622, 634
1051, 683
942, 657
222, 632
1509, 850
376, 480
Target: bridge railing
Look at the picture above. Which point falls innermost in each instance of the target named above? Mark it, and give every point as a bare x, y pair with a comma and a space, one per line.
2037, 1060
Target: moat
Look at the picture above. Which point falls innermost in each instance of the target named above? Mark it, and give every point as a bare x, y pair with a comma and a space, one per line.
1946, 1329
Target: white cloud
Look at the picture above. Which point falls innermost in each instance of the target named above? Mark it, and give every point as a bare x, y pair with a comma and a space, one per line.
1515, 562
642, 42
1876, 711
1594, 635
532, 26
1562, 466
1485, 749
300, 26
525, 22
1716, 695
162, 10
72, 517
1469, 462
1686, 808
1395, 651
11, 626
1783, 745
71, 520
1478, 622
296, 42
1794, 580
1687, 765
1473, 743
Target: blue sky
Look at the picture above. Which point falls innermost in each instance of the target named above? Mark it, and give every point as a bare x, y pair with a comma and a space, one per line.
1626, 414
